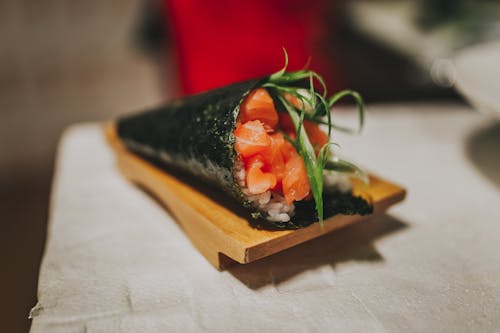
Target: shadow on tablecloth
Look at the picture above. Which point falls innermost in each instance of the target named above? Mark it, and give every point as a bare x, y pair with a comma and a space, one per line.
482, 147
354, 243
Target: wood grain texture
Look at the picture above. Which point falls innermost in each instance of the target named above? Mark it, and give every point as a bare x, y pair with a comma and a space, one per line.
222, 235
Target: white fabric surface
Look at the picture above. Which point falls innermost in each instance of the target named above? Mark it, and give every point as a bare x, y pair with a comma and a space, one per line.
115, 261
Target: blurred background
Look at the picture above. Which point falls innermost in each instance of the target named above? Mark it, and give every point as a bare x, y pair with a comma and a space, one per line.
63, 62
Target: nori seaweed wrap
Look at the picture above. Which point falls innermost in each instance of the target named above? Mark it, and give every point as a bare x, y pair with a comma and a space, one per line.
196, 134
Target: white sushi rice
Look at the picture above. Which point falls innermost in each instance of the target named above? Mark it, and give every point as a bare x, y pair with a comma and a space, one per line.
335, 181
271, 204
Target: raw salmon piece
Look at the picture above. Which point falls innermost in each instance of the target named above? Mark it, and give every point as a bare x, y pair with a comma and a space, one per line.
284, 146
251, 138
259, 105
286, 123
295, 101
295, 182
277, 160
258, 181
316, 135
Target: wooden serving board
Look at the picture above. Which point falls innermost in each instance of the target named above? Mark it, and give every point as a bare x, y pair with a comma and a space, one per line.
222, 235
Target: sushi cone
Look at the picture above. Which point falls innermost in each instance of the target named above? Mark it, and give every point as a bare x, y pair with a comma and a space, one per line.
196, 135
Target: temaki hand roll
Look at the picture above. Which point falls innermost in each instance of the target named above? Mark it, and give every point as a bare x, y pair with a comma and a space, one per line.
261, 142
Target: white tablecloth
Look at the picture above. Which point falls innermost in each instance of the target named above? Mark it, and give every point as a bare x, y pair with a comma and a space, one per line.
115, 261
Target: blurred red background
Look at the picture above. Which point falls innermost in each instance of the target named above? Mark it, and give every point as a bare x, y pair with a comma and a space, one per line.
220, 42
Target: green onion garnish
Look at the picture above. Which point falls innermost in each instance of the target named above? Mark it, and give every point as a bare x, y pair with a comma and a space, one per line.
315, 107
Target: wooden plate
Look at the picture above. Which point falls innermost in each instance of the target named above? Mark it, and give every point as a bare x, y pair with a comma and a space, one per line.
222, 235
